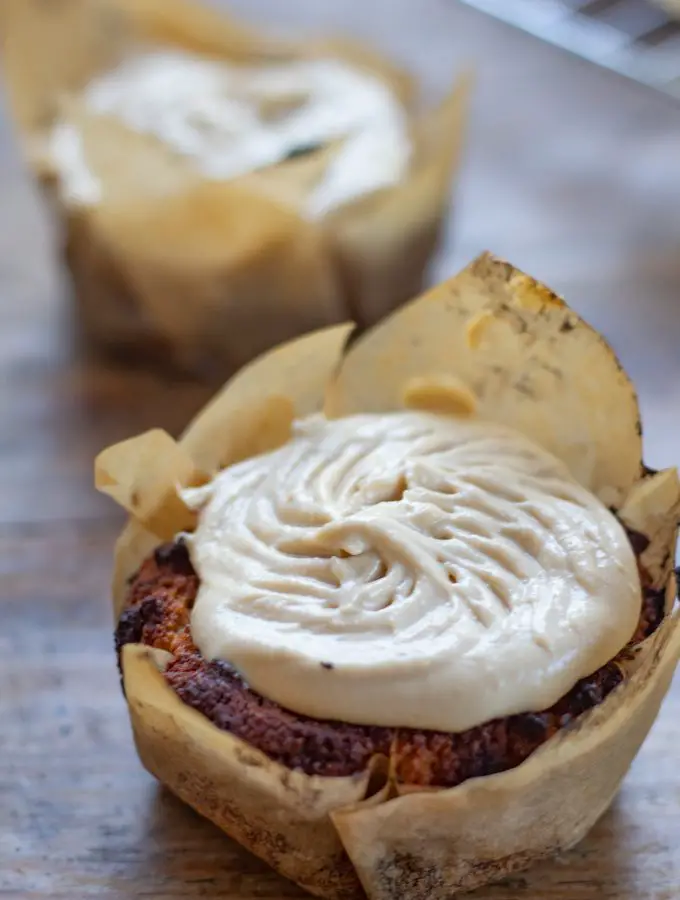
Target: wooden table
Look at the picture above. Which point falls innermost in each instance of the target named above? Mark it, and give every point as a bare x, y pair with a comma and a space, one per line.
574, 175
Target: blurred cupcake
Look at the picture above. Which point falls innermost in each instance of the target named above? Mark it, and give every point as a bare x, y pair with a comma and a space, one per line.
219, 192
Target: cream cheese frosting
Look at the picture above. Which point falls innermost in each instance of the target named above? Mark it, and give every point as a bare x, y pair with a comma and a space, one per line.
409, 569
231, 120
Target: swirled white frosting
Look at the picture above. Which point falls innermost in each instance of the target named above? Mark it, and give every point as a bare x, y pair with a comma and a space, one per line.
409, 569
231, 120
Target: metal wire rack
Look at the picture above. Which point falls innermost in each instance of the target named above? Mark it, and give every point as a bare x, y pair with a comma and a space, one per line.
633, 37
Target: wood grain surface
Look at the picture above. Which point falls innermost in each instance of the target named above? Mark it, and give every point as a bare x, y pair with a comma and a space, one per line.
572, 174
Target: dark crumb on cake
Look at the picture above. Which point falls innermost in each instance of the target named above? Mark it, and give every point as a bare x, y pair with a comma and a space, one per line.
316, 747
158, 614
653, 611
174, 556
638, 541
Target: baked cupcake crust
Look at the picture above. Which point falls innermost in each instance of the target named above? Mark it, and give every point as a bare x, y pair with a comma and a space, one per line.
157, 614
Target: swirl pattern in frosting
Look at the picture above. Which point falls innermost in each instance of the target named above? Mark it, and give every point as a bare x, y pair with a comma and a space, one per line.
409, 569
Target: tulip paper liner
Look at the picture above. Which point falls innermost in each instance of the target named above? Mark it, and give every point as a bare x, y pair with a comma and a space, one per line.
490, 342
206, 274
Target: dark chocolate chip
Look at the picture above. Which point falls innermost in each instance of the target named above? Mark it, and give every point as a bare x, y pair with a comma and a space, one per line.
174, 556
303, 150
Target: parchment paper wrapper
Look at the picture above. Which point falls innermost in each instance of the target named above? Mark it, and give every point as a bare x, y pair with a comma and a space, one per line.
200, 274
489, 342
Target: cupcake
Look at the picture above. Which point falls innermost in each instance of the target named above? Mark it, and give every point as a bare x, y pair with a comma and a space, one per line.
398, 609
217, 191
